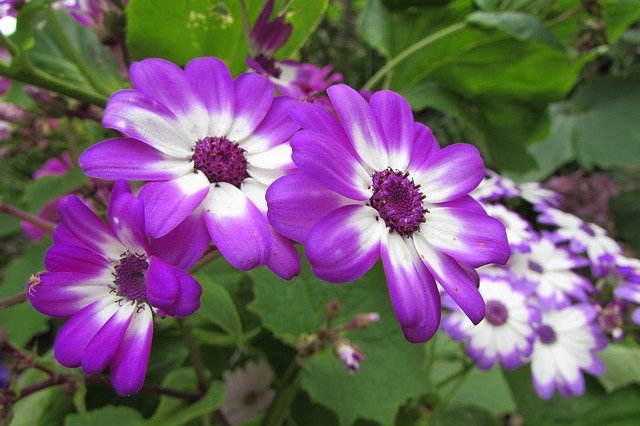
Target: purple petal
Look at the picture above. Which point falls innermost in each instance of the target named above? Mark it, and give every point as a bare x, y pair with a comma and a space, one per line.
168, 84
450, 173
126, 158
412, 290
254, 96
297, 202
142, 117
68, 258
62, 235
75, 334
62, 294
455, 280
424, 146
126, 217
464, 203
185, 244
171, 289
237, 227
129, 365
284, 260
315, 119
360, 125
396, 121
169, 203
327, 162
345, 244
267, 166
105, 343
215, 85
89, 228
276, 128
471, 238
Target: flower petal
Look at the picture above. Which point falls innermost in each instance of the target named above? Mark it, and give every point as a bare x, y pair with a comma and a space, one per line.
345, 244
269, 165
170, 288
169, 85
254, 96
185, 244
412, 289
456, 281
126, 217
129, 365
297, 202
450, 173
424, 145
62, 294
75, 334
237, 227
105, 343
360, 125
169, 203
215, 85
89, 228
396, 122
330, 164
276, 128
68, 258
474, 239
142, 117
284, 260
126, 158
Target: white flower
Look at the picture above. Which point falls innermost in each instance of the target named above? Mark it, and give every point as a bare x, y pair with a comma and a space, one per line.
519, 231
248, 391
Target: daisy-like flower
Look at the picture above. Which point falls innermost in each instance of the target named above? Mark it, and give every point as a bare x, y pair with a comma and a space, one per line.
493, 187
350, 357
566, 347
519, 231
208, 144
628, 286
507, 332
540, 197
549, 270
248, 391
110, 279
375, 184
582, 236
267, 35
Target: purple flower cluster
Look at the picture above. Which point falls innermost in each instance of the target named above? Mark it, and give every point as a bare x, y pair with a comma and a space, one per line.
543, 307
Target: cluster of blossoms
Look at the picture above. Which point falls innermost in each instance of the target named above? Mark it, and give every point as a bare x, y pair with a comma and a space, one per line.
546, 305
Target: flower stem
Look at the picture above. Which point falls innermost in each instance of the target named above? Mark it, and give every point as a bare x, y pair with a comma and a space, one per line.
421, 44
287, 391
458, 378
27, 217
194, 355
9, 301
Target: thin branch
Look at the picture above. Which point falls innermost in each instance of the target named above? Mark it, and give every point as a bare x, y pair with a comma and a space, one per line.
27, 217
194, 355
9, 301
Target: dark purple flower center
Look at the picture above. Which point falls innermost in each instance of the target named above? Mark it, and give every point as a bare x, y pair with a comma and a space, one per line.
398, 200
131, 274
535, 267
269, 65
586, 228
220, 160
546, 334
497, 313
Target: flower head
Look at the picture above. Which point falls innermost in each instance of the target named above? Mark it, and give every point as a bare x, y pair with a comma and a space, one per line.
566, 345
349, 355
209, 144
110, 279
248, 391
267, 36
375, 184
507, 332
519, 231
88, 13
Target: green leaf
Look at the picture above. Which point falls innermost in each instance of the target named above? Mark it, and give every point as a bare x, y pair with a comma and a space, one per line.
45, 407
486, 390
106, 417
373, 26
464, 415
594, 408
626, 210
39, 192
21, 321
623, 367
394, 369
174, 411
305, 16
521, 26
218, 307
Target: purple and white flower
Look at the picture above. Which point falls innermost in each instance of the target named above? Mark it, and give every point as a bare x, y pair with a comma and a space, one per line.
88, 13
267, 35
519, 231
549, 270
507, 332
208, 144
376, 184
494, 186
582, 236
540, 197
248, 392
110, 279
566, 347
350, 357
